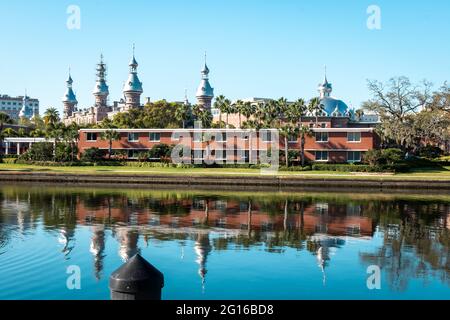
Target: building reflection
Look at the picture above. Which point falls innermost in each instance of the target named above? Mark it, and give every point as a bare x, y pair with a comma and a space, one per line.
415, 233
97, 248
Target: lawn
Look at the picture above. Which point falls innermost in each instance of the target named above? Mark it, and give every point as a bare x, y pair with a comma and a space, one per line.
422, 174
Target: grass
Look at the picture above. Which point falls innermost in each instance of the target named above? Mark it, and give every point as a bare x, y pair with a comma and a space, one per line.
419, 174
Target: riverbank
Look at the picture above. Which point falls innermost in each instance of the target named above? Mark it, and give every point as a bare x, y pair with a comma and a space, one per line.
225, 178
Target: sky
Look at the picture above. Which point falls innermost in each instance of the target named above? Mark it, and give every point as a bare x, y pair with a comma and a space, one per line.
255, 48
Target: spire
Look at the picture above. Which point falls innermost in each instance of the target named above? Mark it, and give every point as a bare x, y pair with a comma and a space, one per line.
186, 100
101, 90
133, 84
133, 63
205, 70
325, 88
69, 96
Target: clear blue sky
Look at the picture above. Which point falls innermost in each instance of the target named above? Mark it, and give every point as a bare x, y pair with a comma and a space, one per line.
255, 48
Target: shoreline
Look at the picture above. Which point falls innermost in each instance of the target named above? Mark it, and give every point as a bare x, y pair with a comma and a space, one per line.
228, 182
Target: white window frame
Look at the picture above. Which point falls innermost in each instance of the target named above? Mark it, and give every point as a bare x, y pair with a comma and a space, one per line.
353, 160
133, 133
322, 152
353, 135
321, 136
154, 133
91, 133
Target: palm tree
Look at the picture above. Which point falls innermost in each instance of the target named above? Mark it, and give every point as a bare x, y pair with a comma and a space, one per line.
56, 132
202, 115
221, 105
51, 116
239, 108
300, 110
181, 111
71, 135
315, 107
248, 110
304, 131
287, 131
282, 106
9, 132
4, 119
110, 135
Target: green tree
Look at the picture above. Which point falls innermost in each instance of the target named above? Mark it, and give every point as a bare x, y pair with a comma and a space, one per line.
110, 136
4, 119
71, 136
51, 117
304, 131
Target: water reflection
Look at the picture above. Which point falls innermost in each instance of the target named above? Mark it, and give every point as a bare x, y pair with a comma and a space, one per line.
414, 230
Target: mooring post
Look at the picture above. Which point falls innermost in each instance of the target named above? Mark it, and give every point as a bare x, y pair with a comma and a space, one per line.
137, 279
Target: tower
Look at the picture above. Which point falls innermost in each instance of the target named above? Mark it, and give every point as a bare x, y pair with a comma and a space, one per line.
205, 93
132, 89
325, 88
101, 90
26, 112
69, 99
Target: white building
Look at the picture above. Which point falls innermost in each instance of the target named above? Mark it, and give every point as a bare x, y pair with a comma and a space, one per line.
14, 106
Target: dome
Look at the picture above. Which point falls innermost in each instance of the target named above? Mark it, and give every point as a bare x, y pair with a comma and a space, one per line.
334, 107
133, 84
205, 89
101, 88
69, 96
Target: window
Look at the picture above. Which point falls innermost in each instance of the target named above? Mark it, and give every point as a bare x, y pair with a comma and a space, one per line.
354, 156
91, 136
321, 155
155, 136
221, 136
266, 136
293, 138
323, 125
133, 136
354, 136
322, 136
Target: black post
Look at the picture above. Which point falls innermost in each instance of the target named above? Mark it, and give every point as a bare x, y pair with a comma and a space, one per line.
137, 279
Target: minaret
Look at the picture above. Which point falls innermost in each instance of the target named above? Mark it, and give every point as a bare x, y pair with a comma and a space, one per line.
25, 111
132, 89
202, 249
205, 93
325, 88
69, 99
101, 90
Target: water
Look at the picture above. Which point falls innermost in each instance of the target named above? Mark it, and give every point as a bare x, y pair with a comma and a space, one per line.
224, 245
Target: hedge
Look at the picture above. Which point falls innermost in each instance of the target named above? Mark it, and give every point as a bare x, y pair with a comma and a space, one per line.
360, 168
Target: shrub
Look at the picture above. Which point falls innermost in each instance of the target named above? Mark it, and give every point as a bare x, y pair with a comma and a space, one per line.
430, 152
40, 151
8, 160
93, 155
160, 151
64, 152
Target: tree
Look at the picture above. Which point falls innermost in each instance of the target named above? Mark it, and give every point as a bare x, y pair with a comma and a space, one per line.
316, 108
202, 115
248, 110
223, 104
182, 114
398, 97
4, 119
110, 136
71, 136
286, 131
304, 131
93, 155
239, 108
9, 132
51, 117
